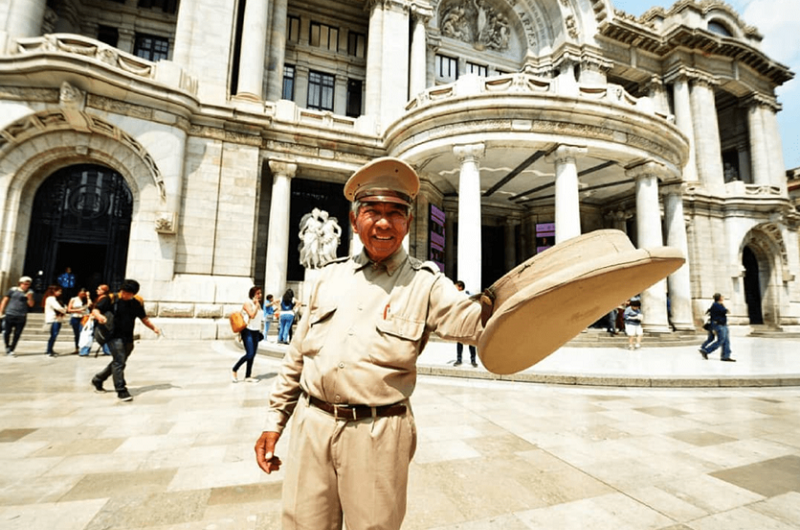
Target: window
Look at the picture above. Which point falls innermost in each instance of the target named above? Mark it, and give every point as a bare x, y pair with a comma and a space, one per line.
108, 35
293, 29
167, 6
320, 91
446, 68
719, 29
356, 44
477, 69
151, 47
288, 82
324, 36
354, 90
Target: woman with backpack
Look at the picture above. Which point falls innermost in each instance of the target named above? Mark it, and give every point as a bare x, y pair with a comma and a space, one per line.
251, 334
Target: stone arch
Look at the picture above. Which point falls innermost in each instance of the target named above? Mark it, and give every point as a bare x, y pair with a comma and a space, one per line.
768, 249
36, 151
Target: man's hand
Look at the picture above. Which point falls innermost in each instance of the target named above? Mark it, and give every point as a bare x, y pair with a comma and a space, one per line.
265, 452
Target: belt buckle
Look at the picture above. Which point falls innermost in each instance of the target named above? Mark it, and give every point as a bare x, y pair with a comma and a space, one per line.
351, 409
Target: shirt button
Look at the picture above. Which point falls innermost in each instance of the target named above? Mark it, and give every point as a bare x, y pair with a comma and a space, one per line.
341, 365
338, 398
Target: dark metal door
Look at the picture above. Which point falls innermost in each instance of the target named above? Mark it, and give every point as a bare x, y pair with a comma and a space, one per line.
81, 219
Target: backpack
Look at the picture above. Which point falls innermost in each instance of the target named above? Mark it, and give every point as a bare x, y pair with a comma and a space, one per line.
102, 332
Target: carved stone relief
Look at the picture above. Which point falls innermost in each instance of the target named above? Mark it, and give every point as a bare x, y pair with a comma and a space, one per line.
477, 23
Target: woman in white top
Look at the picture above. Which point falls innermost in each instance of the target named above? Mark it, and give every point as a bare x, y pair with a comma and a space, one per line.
77, 308
251, 335
53, 314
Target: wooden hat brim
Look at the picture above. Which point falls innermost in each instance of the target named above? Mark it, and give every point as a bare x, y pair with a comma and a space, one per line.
547, 313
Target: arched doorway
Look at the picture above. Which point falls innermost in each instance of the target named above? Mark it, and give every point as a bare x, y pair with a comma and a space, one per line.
81, 219
752, 286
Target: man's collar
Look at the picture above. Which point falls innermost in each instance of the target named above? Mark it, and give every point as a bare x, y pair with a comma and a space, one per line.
390, 264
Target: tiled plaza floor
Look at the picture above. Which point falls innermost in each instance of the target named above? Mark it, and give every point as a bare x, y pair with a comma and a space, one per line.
491, 454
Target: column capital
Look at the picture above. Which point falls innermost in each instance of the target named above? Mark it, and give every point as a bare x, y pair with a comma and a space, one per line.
421, 11
469, 152
399, 5
565, 153
691, 74
283, 168
757, 99
595, 64
673, 188
650, 168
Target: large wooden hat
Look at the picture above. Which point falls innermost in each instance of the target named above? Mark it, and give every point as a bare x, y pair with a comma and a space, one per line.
547, 300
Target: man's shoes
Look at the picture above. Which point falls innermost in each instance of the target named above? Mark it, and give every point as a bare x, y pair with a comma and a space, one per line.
457, 363
250, 380
11, 354
98, 386
51, 354
728, 360
124, 395
474, 364
234, 378
703, 353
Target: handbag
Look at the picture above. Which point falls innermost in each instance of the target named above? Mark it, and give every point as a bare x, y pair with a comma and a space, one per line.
238, 322
707, 326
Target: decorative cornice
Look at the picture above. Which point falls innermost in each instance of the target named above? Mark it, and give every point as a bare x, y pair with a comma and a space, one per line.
762, 100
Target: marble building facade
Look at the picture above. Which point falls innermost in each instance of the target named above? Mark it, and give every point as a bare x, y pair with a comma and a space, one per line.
185, 138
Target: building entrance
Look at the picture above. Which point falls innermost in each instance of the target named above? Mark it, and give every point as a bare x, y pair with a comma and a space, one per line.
752, 286
81, 219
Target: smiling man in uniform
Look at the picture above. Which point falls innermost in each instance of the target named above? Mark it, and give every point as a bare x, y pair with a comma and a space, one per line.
349, 372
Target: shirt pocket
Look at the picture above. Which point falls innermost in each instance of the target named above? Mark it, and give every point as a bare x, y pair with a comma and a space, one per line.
319, 324
399, 341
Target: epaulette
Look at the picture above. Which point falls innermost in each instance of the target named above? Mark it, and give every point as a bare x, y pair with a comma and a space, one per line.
419, 265
338, 260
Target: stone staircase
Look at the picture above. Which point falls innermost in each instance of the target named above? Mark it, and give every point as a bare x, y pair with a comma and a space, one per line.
599, 338
35, 334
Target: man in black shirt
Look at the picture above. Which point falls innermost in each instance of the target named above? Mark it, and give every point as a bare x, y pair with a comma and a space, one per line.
126, 310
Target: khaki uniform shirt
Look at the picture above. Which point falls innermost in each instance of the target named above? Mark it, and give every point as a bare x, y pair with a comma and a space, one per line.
365, 326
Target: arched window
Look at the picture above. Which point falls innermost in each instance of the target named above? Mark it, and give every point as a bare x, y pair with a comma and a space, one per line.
719, 29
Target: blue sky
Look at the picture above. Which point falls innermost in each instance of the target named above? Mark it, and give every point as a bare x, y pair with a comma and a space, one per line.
779, 22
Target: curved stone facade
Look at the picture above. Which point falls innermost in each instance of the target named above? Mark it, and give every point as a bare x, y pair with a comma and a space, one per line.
529, 122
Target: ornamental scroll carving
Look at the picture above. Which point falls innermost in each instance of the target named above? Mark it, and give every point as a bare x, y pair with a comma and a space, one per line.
477, 23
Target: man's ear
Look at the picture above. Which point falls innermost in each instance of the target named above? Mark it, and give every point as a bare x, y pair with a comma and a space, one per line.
353, 222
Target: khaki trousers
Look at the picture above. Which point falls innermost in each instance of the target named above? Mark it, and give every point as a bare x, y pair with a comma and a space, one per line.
358, 469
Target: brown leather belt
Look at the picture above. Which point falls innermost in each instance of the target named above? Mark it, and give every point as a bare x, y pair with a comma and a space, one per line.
357, 412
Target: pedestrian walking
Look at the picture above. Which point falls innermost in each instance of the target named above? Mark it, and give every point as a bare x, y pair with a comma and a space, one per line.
14, 312
718, 335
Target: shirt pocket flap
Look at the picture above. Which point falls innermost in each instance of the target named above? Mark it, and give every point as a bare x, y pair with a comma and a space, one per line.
321, 313
404, 328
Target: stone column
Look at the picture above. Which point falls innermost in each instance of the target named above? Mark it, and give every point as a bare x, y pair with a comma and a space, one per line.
419, 62
253, 50
568, 207
277, 50
743, 153
683, 119
510, 243
372, 105
126, 40
777, 168
706, 134
759, 157
469, 215
394, 83
24, 18
648, 230
278, 242
679, 282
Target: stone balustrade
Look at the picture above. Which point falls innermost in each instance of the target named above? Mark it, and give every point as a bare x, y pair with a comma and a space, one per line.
165, 72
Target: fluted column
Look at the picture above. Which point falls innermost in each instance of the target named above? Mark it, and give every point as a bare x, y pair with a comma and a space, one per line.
679, 282
510, 244
419, 64
706, 133
777, 168
278, 242
24, 18
277, 49
683, 119
372, 105
648, 234
469, 215
568, 207
253, 49
759, 158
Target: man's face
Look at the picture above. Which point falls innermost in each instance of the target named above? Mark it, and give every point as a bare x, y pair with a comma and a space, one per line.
381, 227
25, 286
125, 295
